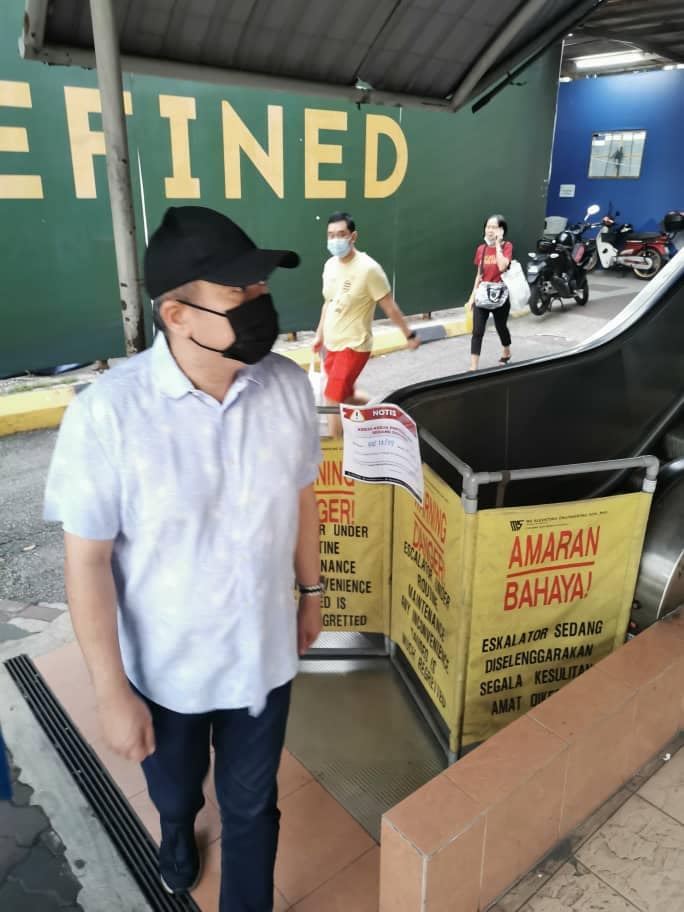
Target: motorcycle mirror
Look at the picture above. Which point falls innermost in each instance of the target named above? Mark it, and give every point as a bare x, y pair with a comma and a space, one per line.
593, 209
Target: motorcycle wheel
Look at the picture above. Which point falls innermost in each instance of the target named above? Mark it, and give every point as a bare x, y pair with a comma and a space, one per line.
539, 303
592, 262
656, 264
581, 295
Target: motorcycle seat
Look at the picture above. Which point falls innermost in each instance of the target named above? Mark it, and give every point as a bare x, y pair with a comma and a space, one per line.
643, 235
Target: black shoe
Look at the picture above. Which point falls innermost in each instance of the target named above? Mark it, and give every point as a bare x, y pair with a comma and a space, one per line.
179, 859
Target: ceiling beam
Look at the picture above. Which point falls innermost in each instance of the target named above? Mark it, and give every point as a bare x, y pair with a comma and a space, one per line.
170, 69
653, 47
511, 66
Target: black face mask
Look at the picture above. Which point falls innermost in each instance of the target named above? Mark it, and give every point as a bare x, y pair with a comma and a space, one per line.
255, 324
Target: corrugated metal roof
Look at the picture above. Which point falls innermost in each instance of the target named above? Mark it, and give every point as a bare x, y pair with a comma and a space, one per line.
657, 28
417, 49
427, 51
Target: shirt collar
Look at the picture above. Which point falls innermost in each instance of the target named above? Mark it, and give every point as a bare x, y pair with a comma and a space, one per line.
173, 382
168, 376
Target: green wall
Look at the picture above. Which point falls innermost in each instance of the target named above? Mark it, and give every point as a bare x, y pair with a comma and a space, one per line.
60, 301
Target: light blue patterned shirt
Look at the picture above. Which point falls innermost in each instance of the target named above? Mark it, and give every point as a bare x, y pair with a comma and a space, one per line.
201, 501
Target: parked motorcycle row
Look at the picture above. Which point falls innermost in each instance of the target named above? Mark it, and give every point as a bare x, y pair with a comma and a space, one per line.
558, 269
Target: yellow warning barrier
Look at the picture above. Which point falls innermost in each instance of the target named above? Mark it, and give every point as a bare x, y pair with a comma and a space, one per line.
356, 535
493, 611
552, 593
426, 617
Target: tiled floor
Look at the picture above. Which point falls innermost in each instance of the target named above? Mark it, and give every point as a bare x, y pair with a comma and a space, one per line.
634, 862
326, 861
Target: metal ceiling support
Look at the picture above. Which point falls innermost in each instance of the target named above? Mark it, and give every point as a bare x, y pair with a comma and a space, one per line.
118, 172
634, 14
170, 69
491, 54
510, 67
645, 44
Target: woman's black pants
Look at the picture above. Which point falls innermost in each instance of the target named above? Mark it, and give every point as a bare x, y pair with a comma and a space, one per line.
480, 315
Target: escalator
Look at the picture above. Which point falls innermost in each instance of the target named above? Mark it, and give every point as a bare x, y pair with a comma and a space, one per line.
619, 394
616, 395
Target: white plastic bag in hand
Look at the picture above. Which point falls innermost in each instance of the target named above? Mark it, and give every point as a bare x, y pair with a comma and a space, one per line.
518, 289
317, 381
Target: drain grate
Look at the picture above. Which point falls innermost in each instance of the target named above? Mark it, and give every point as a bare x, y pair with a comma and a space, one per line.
127, 833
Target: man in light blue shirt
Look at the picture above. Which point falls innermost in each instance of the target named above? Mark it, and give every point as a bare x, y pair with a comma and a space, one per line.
184, 482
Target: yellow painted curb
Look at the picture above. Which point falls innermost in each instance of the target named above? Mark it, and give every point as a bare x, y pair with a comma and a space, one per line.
302, 356
32, 410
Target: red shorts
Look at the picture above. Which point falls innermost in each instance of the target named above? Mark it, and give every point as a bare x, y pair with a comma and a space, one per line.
342, 368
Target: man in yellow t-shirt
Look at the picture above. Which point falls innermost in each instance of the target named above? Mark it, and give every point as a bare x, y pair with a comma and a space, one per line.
353, 283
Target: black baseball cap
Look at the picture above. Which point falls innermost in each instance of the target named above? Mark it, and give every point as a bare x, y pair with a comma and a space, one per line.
194, 242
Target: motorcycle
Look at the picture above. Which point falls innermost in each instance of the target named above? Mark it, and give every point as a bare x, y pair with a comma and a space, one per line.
586, 254
644, 252
555, 269
673, 226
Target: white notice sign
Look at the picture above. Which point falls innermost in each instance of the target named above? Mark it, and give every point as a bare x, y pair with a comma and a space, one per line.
567, 190
381, 447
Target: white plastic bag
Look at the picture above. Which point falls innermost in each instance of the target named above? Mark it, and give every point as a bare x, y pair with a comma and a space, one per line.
317, 381
518, 289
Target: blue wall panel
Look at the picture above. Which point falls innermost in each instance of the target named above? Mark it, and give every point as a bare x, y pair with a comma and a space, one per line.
652, 101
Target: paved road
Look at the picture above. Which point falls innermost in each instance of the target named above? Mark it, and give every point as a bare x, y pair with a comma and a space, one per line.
31, 550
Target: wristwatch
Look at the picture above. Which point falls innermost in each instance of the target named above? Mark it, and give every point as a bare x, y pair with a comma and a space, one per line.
318, 589
411, 335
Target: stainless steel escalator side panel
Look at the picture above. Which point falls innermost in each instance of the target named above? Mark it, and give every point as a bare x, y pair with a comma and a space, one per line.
660, 586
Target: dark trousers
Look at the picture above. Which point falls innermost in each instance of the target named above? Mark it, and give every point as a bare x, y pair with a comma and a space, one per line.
246, 760
480, 315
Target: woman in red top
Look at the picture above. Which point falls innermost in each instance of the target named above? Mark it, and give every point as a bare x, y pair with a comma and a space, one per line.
491, 258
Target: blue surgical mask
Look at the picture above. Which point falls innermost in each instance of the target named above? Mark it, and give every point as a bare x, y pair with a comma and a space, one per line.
339, 247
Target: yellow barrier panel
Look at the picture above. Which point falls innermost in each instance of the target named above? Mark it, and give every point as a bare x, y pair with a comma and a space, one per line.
426, 618
552, 593
356, 536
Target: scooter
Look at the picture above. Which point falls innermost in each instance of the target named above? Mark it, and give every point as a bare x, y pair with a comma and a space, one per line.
555, 270
673, 226
644, 252
585, 254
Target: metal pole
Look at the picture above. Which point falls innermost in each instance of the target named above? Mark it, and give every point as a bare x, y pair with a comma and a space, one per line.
108, 64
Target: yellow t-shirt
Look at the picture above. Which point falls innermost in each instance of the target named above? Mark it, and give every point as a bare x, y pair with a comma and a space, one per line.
351, 291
